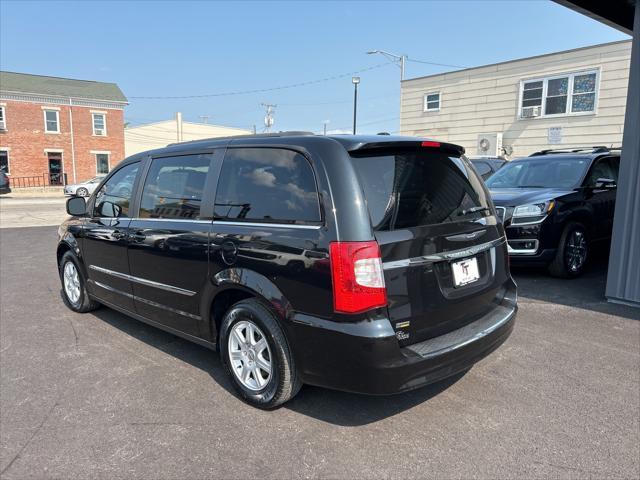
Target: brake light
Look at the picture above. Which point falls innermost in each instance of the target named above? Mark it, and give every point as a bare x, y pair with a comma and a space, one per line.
431, 144
358, 279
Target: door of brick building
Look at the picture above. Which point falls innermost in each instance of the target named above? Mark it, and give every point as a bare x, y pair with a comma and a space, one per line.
55, 168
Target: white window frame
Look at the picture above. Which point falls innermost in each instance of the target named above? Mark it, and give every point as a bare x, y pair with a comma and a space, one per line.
425, 106
95, 155
93, 123
3, 109
545, 81
44, 114
6, 150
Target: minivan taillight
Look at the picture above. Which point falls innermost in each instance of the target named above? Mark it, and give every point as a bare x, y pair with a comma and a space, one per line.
358, 279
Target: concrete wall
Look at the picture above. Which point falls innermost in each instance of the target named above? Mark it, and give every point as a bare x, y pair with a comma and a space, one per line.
157, 135
486, 100
26, 142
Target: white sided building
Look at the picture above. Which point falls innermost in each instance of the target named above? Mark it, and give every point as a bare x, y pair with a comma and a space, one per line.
140, 138
565, 99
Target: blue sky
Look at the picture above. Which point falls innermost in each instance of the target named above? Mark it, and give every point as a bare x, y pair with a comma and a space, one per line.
167, 48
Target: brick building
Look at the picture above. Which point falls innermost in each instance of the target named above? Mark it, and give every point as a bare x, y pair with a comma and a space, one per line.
55, 128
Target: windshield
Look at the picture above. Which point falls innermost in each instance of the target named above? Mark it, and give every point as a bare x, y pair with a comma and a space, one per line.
540, 173
405, 190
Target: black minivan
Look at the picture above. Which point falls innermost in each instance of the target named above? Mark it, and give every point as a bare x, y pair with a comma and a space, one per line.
371, 264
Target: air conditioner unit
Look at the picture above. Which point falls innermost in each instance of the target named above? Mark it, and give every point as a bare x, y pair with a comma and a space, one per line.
490, 144
2, 125
99, 132
530, 112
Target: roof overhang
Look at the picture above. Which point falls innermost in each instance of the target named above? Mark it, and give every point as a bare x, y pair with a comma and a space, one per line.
615, 13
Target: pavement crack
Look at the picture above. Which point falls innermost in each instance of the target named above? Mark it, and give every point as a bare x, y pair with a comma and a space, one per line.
22, 449
572, 469
75, 333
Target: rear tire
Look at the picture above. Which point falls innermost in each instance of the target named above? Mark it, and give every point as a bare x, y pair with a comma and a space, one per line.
572, 254
74, 285
239, 352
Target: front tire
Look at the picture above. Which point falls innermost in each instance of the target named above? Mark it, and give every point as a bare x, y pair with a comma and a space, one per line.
256, 355
571, 256
82, 192
74, 289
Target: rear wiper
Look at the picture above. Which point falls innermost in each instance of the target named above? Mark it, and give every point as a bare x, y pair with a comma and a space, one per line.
474, 209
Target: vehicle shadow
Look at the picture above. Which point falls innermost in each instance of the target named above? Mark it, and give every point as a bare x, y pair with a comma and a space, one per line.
586, 292
338, 408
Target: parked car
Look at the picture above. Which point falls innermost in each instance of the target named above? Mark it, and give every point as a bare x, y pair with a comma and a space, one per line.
372, 264
5, 184
556, 204
487, 166
83, 189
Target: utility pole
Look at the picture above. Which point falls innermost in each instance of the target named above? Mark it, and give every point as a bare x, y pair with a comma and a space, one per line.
268, 117
204, 118
401, 59
355, 81
179, 126
325, 127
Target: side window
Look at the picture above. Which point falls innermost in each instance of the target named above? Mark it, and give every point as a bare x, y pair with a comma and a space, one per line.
603, 168
173, 187
114, 197
267, 184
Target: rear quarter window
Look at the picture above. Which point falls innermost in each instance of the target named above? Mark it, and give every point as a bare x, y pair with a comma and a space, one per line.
267, 185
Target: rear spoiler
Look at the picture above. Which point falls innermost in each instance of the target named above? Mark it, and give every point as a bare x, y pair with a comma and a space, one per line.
407, 145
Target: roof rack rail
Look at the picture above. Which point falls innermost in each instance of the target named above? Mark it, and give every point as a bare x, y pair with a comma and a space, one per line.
292, 133
594, 149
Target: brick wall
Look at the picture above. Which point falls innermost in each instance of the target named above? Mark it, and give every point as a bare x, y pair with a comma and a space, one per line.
26, 140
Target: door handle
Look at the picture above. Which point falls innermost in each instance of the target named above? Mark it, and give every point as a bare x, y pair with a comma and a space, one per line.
118, 235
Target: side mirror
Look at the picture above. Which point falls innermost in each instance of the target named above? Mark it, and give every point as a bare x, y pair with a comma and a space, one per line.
605, 183
76, 207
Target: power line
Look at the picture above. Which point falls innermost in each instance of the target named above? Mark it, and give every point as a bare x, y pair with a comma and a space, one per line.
260, 90
434, 63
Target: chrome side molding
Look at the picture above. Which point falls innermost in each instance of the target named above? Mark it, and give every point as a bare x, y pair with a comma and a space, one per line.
143, 281
144, 300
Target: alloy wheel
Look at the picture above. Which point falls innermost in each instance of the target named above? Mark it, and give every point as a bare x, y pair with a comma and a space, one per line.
71, 282
249, 355
576, 251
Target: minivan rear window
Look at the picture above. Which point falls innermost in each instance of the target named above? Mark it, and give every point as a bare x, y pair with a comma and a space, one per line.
410, 189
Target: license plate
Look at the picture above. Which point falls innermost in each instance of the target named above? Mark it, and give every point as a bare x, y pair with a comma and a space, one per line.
465, 271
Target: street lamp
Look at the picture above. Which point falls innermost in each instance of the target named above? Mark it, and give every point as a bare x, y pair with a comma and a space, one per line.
355, 81
400, 59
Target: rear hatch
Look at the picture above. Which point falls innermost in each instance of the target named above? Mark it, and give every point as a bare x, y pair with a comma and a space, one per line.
443, 251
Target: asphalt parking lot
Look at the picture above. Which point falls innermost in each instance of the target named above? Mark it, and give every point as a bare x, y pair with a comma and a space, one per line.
20, 210
102, 396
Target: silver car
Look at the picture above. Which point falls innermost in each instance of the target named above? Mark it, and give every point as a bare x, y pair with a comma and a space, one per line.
83, 189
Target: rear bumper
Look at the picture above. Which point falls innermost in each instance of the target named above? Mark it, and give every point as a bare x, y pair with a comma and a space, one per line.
366, 358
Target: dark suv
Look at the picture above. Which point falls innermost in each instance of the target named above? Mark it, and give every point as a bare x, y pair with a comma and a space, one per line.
556, 204
369, 264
